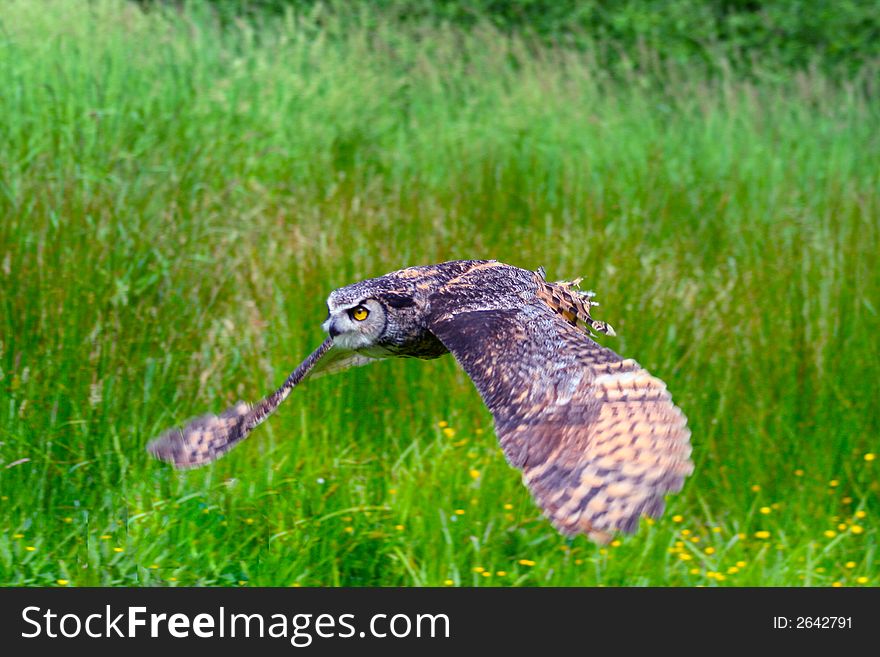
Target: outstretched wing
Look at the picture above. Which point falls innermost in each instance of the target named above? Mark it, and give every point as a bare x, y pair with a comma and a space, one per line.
598, 438
207, 438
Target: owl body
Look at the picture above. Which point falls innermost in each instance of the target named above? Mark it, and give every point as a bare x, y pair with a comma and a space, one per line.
597, 438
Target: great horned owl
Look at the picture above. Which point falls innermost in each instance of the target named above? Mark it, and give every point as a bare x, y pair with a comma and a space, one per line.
597, 438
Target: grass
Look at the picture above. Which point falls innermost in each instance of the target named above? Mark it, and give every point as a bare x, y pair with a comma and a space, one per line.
176, 202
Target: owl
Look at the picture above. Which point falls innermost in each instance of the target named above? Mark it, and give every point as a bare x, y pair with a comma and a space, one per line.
597, 438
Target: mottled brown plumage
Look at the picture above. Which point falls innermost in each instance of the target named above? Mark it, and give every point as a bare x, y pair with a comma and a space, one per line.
597, 438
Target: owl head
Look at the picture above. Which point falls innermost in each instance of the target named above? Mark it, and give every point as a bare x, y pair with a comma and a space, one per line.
388, 315
376, 315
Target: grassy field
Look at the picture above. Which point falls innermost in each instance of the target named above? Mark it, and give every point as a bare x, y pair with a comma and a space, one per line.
176, 202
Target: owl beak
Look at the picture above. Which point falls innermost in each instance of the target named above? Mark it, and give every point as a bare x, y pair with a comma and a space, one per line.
331, 328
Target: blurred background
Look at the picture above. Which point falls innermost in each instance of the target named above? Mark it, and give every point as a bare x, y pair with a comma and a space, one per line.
183, 183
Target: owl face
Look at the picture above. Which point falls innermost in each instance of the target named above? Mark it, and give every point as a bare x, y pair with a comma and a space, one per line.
356, 326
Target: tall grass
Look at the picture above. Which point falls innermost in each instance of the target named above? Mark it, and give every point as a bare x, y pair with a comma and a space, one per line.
176, 201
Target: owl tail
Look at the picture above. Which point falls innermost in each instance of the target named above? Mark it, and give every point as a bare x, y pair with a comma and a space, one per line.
573, 304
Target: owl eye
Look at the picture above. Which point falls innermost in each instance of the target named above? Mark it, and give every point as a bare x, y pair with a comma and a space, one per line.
359, 313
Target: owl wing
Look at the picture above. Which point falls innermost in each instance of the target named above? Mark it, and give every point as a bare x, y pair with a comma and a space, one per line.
207, 438
597, 438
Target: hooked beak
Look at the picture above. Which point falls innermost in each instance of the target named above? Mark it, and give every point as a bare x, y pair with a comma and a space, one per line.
330, 326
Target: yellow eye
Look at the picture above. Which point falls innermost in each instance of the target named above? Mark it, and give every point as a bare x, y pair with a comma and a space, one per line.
360, 313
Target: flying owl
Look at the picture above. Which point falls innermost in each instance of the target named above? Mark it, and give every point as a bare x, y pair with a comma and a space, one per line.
597, 438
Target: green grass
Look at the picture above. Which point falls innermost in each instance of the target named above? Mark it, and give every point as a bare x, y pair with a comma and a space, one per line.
176, 202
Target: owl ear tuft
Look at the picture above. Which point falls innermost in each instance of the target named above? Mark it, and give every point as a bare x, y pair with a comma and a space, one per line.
398, 300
